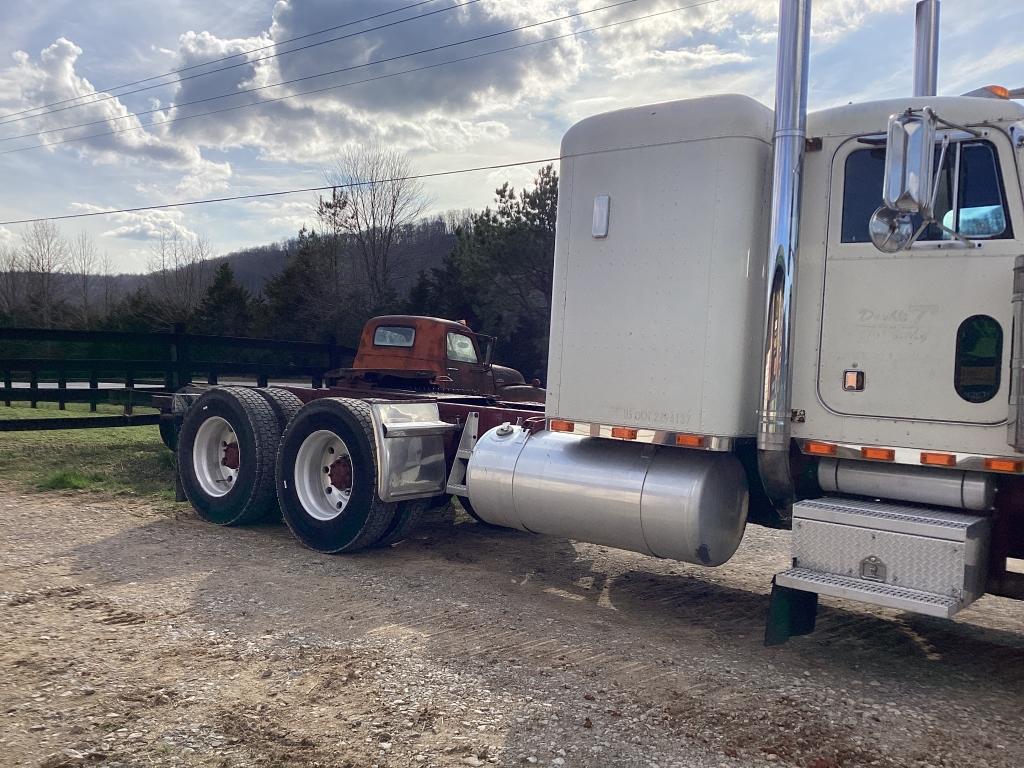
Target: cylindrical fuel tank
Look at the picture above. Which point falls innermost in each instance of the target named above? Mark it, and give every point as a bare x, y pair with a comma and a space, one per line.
662, 501
924, 485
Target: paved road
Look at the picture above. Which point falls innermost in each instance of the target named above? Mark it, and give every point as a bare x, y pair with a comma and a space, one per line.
145, 637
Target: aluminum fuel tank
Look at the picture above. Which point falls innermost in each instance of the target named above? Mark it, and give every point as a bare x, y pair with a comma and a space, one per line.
667, 502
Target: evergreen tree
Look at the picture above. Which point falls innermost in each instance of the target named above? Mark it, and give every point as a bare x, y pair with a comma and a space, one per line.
498, 276
226, 307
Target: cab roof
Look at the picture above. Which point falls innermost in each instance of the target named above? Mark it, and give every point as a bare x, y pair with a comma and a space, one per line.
416, 321
873, 116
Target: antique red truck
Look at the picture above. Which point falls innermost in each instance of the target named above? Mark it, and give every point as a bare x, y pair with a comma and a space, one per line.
431, 354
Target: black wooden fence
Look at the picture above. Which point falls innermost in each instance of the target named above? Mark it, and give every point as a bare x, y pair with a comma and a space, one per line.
128, 368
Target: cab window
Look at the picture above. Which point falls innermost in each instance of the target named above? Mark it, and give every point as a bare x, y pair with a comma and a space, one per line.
461, 348
970, 197
394, 336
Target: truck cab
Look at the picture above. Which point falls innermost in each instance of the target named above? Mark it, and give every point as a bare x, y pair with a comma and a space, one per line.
432, 353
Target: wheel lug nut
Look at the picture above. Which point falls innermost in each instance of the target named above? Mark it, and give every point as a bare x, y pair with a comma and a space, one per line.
329, 489
327, 470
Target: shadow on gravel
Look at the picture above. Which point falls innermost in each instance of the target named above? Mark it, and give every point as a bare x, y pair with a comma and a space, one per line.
259, 577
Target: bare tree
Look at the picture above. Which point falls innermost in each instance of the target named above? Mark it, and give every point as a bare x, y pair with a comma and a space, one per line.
179, 275
106, 269
12, 281
376, 198
44, 253
82, 262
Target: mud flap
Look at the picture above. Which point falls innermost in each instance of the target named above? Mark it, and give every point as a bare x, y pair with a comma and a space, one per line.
791, 612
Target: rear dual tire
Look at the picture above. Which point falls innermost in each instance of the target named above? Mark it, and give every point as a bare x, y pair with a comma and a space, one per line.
327, 478
226, 451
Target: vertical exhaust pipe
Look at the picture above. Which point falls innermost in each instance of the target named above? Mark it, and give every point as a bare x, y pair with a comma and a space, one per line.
788, 154
926, 48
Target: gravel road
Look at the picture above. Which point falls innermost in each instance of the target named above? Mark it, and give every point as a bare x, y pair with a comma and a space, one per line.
132, 636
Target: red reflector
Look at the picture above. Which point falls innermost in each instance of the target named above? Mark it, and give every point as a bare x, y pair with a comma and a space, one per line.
624, 433
878, 454
690, 441
1004, 465
561, 425
939, 459
820, 449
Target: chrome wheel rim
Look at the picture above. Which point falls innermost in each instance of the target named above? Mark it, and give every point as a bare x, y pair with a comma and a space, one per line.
215, 456
323, 475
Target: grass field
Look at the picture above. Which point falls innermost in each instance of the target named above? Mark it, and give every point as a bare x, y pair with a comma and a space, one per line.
123, 460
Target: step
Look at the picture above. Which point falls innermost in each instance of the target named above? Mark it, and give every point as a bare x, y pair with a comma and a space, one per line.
875, 593
936, 522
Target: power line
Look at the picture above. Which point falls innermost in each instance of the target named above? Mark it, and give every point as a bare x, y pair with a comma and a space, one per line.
279, 193
437, 174
276, 43
254, 61
324, 74
344, 85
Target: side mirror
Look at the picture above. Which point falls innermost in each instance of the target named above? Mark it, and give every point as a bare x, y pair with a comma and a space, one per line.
891, 231
910, 163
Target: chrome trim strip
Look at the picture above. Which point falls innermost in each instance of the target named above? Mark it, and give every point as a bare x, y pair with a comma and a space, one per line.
650, 436
908, 456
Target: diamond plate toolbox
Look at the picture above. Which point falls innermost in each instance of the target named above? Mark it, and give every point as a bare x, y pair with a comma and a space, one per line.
933, 550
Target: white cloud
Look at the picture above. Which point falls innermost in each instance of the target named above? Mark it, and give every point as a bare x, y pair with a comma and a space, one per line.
505, 107
143, 225
287, 215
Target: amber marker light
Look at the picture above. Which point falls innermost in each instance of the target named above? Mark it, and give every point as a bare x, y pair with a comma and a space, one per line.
561, 425
999, 91
815, 448
624, 433
1004, 465
938, 459
878, 454
690, 441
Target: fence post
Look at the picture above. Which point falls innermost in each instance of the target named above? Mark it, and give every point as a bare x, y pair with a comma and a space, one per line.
180, 354
94, 384
62, 388
33, 388
211, 377
261, 380
8, 385
129, 384
333, 355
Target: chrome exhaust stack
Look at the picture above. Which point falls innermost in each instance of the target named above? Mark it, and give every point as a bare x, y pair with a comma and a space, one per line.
788, 155
926, 48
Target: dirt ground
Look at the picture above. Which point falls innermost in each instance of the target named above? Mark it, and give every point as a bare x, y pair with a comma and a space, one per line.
135, 637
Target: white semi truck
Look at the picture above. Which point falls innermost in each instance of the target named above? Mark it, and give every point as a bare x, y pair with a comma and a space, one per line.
820, 316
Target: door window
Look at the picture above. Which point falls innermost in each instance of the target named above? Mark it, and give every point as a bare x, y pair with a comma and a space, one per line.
970, 196
979, 358
461, 348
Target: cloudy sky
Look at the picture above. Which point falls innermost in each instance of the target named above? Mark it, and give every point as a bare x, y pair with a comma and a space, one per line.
500, 108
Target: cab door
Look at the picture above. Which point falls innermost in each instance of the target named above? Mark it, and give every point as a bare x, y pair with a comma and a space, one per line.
464, 364
925, 333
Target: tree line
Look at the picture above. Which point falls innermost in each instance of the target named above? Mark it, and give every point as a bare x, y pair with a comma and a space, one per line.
371, 251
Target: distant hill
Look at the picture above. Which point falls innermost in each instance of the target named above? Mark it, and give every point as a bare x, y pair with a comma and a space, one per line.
422, 247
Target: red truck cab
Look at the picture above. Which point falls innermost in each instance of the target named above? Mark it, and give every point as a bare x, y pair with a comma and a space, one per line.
432, 353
